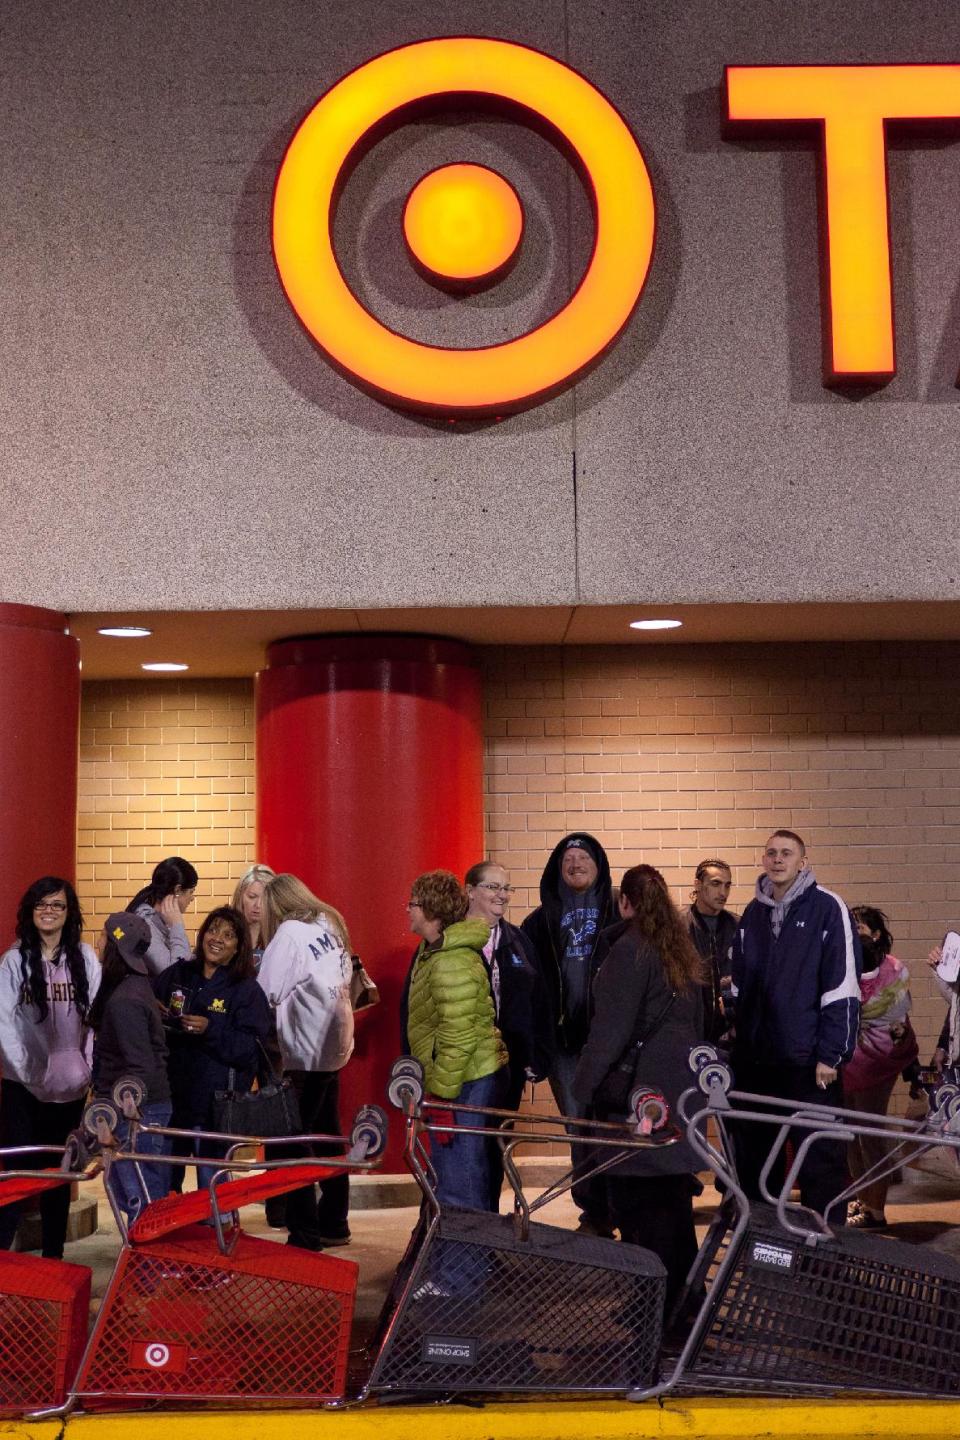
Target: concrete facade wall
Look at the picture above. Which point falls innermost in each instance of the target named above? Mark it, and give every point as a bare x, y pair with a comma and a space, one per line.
172, 439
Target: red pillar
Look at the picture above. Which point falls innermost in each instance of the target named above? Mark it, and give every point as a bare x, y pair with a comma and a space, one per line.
369, 771
39, 736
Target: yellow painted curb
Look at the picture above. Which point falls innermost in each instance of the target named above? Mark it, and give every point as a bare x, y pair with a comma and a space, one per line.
715, 1419
30, 1429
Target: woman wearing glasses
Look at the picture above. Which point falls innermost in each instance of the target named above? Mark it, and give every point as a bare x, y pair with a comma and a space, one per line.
520, 1004
47, 983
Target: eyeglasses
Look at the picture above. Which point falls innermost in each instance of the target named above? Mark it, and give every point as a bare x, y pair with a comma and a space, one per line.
57, 906
494, 889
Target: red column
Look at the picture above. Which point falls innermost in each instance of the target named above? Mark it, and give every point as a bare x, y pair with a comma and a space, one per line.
369, 771
39, 735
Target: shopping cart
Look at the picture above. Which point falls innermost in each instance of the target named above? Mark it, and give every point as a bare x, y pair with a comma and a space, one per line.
44, 1304
485, 1303
199, 1311
792, 1305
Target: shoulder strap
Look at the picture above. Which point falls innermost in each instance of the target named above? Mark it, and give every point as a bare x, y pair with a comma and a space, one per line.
265, 1068
638, 1041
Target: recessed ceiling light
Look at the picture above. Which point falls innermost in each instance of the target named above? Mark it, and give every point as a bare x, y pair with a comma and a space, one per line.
655, 624
165, 665
125, 632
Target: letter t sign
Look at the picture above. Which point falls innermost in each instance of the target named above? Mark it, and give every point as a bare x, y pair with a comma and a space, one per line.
852, 104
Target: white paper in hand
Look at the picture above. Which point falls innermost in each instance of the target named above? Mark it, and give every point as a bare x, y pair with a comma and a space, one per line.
949, 967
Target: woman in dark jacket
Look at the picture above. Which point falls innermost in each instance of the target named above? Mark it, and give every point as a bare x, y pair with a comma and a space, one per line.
521, 1006
217, 1016
125, 1019
649, 988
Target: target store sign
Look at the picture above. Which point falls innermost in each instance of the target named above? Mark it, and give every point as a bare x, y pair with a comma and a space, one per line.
463, 223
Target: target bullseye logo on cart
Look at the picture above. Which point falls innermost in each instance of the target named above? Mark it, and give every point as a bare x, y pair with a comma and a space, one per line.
158, 1355
463, 223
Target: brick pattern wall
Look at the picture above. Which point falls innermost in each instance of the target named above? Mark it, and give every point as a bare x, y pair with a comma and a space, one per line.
672, 754
666, 754
166, 768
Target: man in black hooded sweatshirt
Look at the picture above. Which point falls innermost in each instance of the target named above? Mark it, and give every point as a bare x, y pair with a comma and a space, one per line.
576, 903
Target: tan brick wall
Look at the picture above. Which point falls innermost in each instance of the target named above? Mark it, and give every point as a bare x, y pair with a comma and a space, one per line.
667, 754
671, 754
166, 768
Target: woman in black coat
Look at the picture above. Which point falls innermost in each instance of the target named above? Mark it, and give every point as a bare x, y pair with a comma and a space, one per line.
521, 1006
649, 988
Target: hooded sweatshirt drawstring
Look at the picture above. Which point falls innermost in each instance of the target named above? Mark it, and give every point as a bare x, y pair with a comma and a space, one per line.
778, 908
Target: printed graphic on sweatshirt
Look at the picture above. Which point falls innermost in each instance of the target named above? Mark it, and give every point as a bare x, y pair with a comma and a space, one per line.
61, 992
579, 927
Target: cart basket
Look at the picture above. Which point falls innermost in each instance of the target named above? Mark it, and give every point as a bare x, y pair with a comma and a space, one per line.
182, 1321
486, 1311
44, 1305
853, 1313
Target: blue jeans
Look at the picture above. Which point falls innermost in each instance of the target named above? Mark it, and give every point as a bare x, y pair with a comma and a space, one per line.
464, 1169
205, 1148
124, 1183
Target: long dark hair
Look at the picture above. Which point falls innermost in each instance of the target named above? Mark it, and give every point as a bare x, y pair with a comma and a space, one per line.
874, 919
31, 951
241, 966
657, 920
115, 969
164, 881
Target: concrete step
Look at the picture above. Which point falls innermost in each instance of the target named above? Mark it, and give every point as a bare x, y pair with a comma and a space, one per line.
83, 1221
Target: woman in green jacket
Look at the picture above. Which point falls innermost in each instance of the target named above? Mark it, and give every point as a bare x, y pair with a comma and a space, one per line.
452, 1032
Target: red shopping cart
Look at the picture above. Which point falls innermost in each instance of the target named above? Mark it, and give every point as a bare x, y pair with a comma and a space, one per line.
44, 1304
198, 1311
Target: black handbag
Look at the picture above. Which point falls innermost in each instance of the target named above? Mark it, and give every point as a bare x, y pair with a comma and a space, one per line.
613, 1092
270, 1112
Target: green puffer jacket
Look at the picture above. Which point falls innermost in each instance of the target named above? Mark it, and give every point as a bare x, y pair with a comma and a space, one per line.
450, 1025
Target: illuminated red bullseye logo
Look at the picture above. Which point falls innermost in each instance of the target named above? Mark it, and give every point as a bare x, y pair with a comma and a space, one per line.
463, 223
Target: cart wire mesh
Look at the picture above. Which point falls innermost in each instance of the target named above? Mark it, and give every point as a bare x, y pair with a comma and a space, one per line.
856, 1312
488, 1311
43, 1328
183, 1321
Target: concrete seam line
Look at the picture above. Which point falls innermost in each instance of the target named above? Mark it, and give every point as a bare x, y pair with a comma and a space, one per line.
710, 1419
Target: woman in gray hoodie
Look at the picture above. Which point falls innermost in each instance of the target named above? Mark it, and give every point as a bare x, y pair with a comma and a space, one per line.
162, 904
47, 983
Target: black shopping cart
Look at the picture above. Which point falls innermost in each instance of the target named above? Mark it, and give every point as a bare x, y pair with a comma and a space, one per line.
485, 1303
791, 1303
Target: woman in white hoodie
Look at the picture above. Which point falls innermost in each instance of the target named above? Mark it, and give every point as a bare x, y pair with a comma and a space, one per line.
305, 974
47, 983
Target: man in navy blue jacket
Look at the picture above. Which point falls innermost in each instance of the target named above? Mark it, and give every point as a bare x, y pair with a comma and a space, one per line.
796, 978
